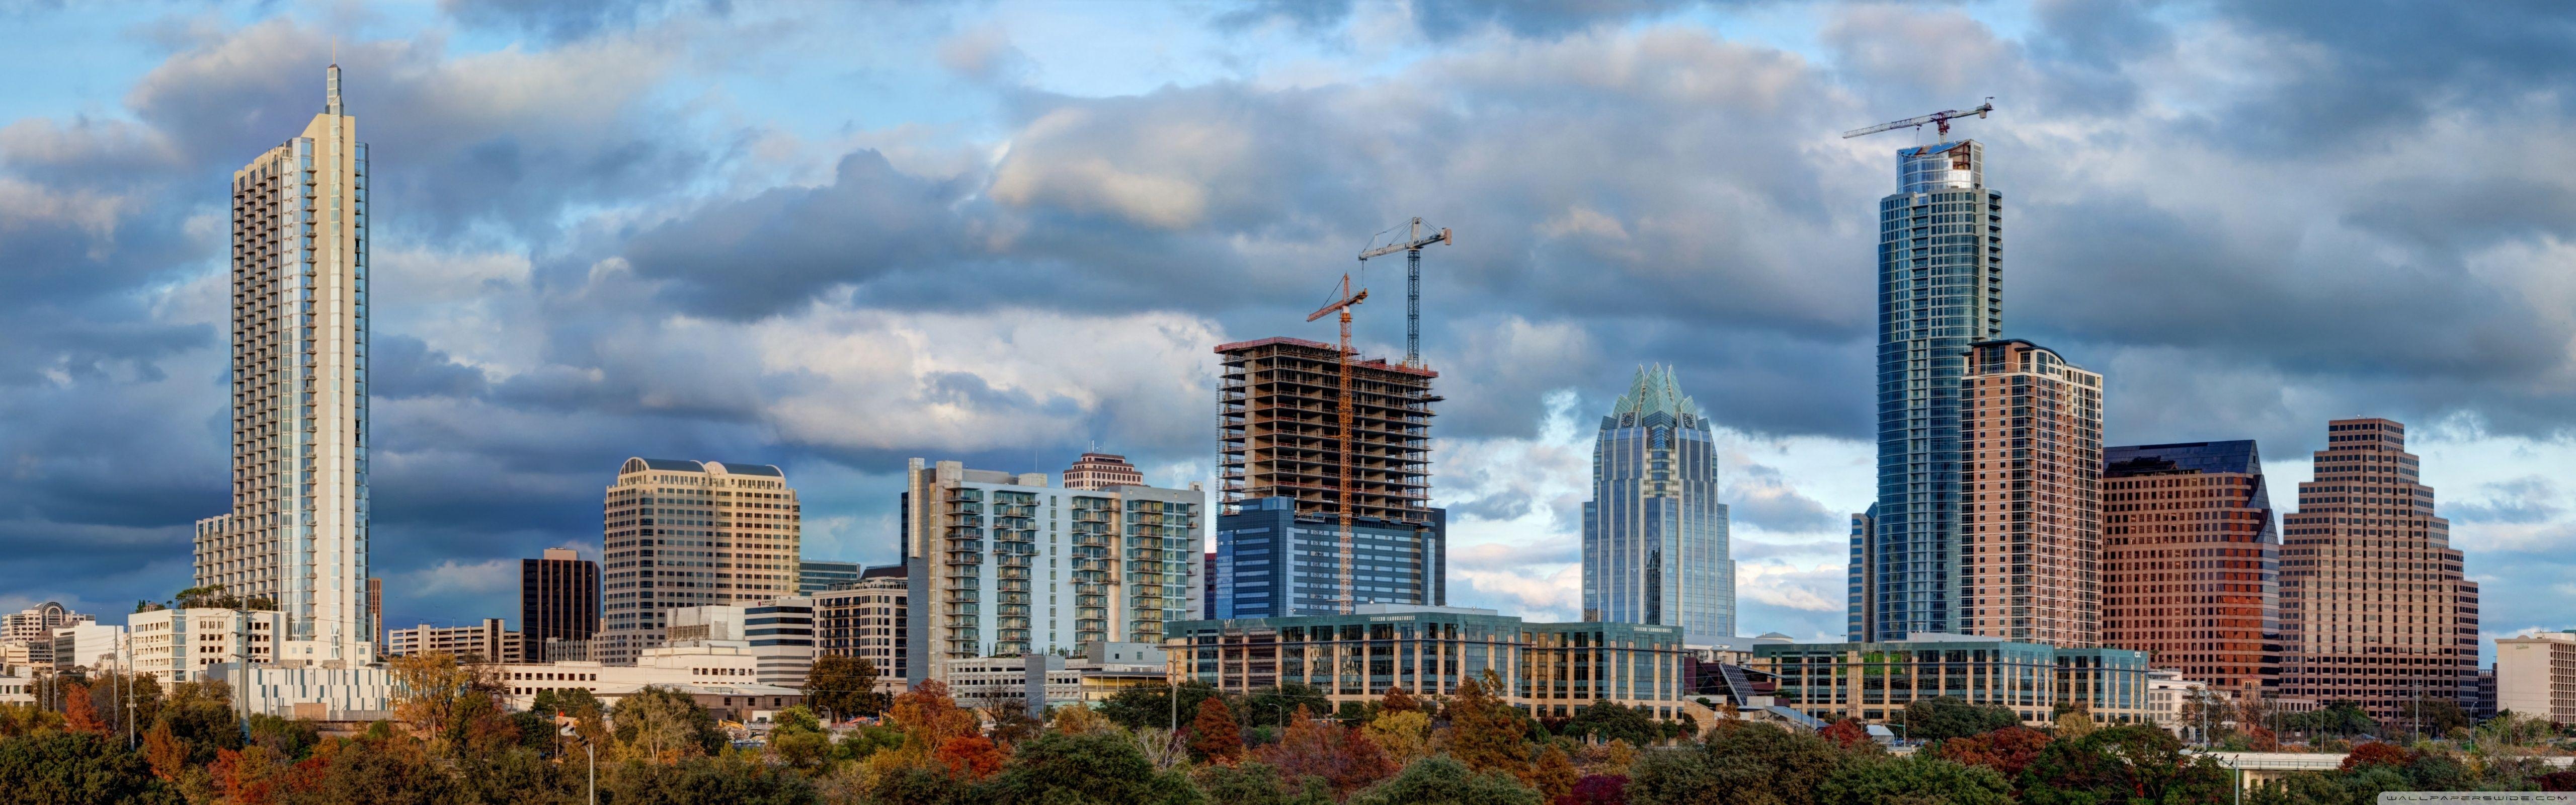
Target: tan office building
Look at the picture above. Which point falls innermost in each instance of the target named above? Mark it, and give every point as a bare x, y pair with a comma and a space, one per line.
2191, 562
485, 642
2031, 428
1102, 471
691, 533
2375, 606
2535, 675
866, 620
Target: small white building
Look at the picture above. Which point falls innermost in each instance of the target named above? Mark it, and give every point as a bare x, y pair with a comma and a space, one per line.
191, 645
17, 690
2171, 702
2535, 675
779, 631
88, 645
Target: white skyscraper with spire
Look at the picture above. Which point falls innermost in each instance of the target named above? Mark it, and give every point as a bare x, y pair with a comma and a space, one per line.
297, 533
1655, 545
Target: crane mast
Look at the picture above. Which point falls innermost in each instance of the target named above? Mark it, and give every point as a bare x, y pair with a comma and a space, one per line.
1347, 602
1411, 246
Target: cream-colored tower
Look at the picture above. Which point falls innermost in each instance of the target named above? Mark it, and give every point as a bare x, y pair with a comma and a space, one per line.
297, 534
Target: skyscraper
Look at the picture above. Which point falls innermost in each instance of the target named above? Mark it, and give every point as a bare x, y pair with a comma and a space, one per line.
1655, 547
1001, 564
1102, 471
1281, 456
691, 533
297, 533
2030, 553
558, 599
1940, 289
2375, 606
2191, 562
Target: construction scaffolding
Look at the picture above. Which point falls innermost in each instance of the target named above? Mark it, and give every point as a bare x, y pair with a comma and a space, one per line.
1278, 433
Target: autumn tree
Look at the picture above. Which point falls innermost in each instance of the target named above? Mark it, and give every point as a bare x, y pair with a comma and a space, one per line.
1847, 733
969, 757
78, 714
439, 696
1597, 789
2377, 753
1213, 735
1405, 734
20, 720
1485, 733
660, 725
2074, 724
1342, 756
1554, 775
928, 718
1078, 720
1398, 701
2007, 750
251, 776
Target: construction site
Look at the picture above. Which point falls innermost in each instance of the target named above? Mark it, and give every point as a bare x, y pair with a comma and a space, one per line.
1279, 432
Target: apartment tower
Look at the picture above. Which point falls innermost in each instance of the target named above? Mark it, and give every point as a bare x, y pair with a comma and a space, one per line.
297, 532
2031, 481
2191, 562
1940, 290
1007, 565
865, 619
691, 533
2375, 606
1279, 436
558, 598
1655, 545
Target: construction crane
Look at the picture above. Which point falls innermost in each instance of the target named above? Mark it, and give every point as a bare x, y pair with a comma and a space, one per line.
1411, 246
1342, 433
1940, 121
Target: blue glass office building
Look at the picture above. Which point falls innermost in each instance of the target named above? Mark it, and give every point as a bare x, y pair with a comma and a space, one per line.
1940, 289
1654, 536
1272, 563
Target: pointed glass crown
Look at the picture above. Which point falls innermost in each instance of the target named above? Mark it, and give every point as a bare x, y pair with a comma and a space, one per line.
1655, 391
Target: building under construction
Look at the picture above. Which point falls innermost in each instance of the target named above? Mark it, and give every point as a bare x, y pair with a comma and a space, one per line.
1280, 458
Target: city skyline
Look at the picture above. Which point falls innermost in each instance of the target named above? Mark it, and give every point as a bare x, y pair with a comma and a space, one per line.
560, 290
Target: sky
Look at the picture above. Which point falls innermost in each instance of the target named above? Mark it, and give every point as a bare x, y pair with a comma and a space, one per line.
837, 236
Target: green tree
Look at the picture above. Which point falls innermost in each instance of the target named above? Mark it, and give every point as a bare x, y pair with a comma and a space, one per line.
1920, 778
1099, 767
798, 739
76, 768
1444, 781
1151, 708
731, 777
844, 687
1257, 783
2430, 717
1739, 762
1610, 721
865, 742
2120, 764
1938, 717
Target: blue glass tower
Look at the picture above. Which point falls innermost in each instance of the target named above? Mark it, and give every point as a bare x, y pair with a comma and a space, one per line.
1654, 536
1940, 289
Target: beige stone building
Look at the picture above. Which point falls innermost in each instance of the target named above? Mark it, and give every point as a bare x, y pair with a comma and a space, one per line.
867, 621
27, 636
180, 645
484, 642
1102, 471
691, 533
2031, 429
2375, 606
2535, 675
297, 532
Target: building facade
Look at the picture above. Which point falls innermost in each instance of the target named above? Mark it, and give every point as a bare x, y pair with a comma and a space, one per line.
180, 645
2375, 603
691, 533
866, 620
2191, 562
88, 645
2031, 485
1006, 565
1102, 471
1655, 546
297, 532
2535, 675
1547, 669
558, 597
817, 575
1940, 289
1874, 681
31, 631
1271, 561
487, 642
778, 633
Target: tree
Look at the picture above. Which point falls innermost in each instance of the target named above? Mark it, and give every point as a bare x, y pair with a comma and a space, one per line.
435, 689
1398, 701
1343, 757
2120, 764
918, 785
844, 687
659, 725
969, 757
2074, 724
1485, 733
1445, 781
1013, 724
1096, 767
1847, 734
730, 777
18, 720
1079, 720
1739, 762
2007, 750
1554, 774
928, 718
798, 739
72, 767
79, 715
866, 742
1213, 735
1253, 782
2379, 754
1140, 708
1597, 789
1405, 734
1938, 717
1611, 721
1917, 779
2432, 716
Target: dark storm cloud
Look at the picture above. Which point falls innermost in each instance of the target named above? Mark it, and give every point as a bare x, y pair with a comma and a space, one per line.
2375, 71
403, 367
776, 250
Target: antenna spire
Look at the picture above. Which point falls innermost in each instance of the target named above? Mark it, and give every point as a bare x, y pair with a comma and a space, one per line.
331, 85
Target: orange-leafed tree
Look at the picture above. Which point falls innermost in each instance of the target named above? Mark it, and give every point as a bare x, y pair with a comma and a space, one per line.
1485, 733
1398, 701
928, 717
2007, 750
163, 749
2377, 753
1847, 733
970, 757
1344, 757
78, 714
251, 776
1554, 775
1213, 734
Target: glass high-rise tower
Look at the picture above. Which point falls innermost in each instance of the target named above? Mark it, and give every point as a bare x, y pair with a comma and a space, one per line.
1654, 536
297, 533
1940, 289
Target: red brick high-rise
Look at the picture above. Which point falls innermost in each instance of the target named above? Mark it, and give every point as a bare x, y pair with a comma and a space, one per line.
2375, 605
2191, 562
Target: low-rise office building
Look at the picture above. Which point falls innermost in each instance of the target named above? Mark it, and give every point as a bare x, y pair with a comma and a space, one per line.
482, 642
1039, 681
1874, 681
779, 631
88, 645
1547, 669
179, 645
722, 678
2535, 675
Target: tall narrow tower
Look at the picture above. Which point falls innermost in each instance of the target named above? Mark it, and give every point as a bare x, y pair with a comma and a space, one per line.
297, 534
1654, 536
1940, 289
